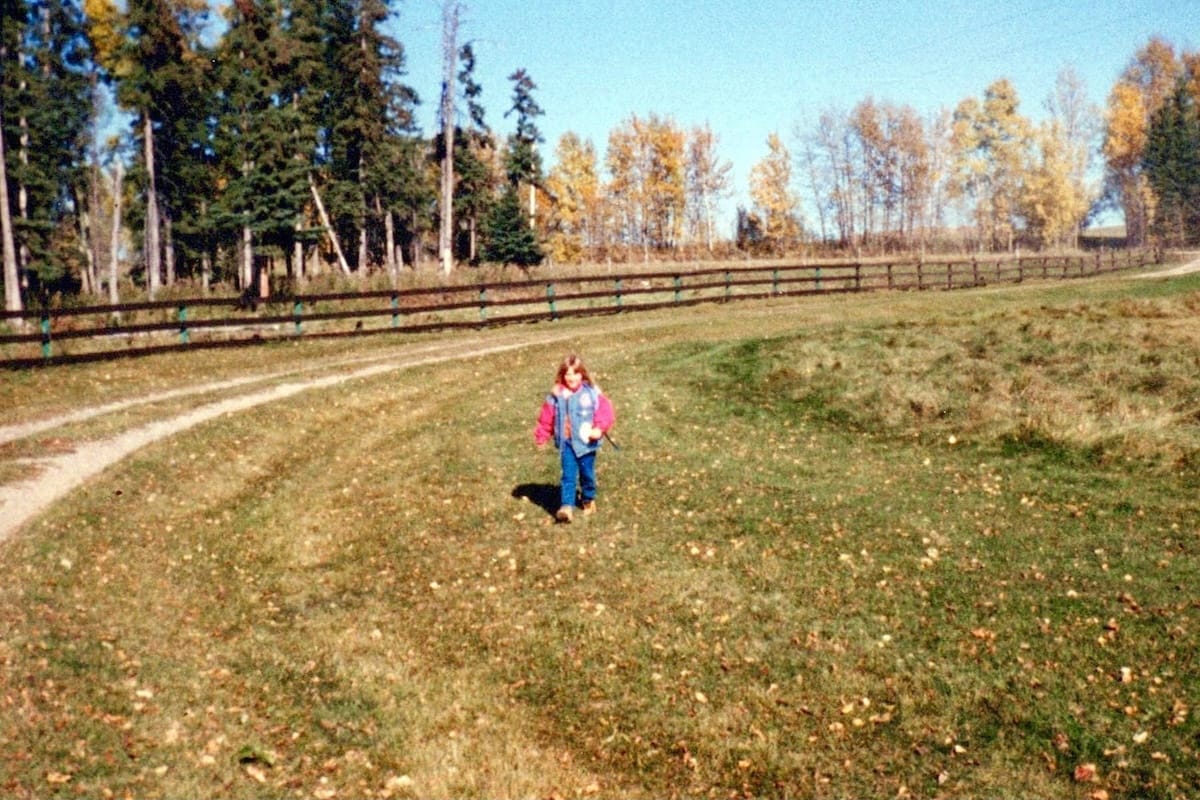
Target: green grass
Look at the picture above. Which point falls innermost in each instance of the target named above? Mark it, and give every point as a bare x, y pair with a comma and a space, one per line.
917, 545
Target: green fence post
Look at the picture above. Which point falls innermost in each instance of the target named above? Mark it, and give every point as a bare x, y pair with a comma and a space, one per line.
818, 275
678, 288
395, 310
184, 335
728, 284
550, 300
297, 314
45, 334
775, 282
483, 303
620, 302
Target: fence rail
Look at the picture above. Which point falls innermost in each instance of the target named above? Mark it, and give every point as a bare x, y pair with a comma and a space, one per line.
113, 331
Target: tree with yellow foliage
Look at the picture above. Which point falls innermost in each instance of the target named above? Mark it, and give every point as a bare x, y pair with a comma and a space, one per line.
991, 150
1140, 92
574, 187
647, 182
777, 204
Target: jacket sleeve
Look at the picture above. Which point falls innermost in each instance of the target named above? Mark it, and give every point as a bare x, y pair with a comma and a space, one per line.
545, 423
605, 416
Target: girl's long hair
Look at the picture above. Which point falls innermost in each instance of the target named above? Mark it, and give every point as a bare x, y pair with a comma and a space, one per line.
572, 361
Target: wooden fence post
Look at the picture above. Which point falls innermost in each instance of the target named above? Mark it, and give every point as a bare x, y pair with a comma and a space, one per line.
395, 310
184, 334
483, 303
297, 315
45, 324
678, 287
620, 301
550, 300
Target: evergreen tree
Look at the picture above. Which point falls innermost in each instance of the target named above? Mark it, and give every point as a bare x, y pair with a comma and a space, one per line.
511, 238
365, 114
264, 181
155, 65
474, 149
45, 106
1172, 162
523, 162
507, 235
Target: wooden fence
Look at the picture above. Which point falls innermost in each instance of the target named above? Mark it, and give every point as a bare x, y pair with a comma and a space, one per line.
100, 332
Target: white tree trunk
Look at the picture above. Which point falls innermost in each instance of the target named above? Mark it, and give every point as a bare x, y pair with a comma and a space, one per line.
153, 247
450, 15
12, 285
114, 264
247, 278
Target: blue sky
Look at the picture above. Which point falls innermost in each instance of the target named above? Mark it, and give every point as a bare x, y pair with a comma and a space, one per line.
752, 68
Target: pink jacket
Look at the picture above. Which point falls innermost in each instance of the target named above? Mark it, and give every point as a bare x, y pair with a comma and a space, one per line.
602, 419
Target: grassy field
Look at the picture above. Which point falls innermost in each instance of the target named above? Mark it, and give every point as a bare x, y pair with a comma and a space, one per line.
915, 545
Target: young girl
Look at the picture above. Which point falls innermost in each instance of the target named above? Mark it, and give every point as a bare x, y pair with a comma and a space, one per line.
577, 414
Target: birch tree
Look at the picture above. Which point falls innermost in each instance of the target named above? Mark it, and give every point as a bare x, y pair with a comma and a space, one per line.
776, 202
991, 141
708, 181
1140, 92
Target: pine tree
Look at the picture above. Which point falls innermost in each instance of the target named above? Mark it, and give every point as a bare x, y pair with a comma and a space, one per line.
264, 182
45, 99
1172, 163
508, 238
154, 66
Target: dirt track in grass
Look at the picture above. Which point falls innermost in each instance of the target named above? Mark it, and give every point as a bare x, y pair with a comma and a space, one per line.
54, 475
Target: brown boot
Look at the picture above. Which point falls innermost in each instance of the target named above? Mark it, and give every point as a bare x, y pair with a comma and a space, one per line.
589, 507
565, 514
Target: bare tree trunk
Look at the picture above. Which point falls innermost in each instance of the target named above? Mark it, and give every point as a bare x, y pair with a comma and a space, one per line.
337, 247
96, 228
298, 256
114, 272
23, 256
389, 242
205, 272
169, 249
247, 276
87, 276
153, 246
205, 257
450, 15
12, 285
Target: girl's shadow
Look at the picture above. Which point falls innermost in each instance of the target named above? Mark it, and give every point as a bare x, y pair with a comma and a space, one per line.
544, 495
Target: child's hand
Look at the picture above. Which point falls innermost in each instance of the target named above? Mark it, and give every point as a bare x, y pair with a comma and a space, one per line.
595, 435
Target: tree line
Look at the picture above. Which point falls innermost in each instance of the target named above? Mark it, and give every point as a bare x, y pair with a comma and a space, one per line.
286, 142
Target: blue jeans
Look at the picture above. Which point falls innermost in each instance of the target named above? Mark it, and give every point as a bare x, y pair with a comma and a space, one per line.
578, 470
